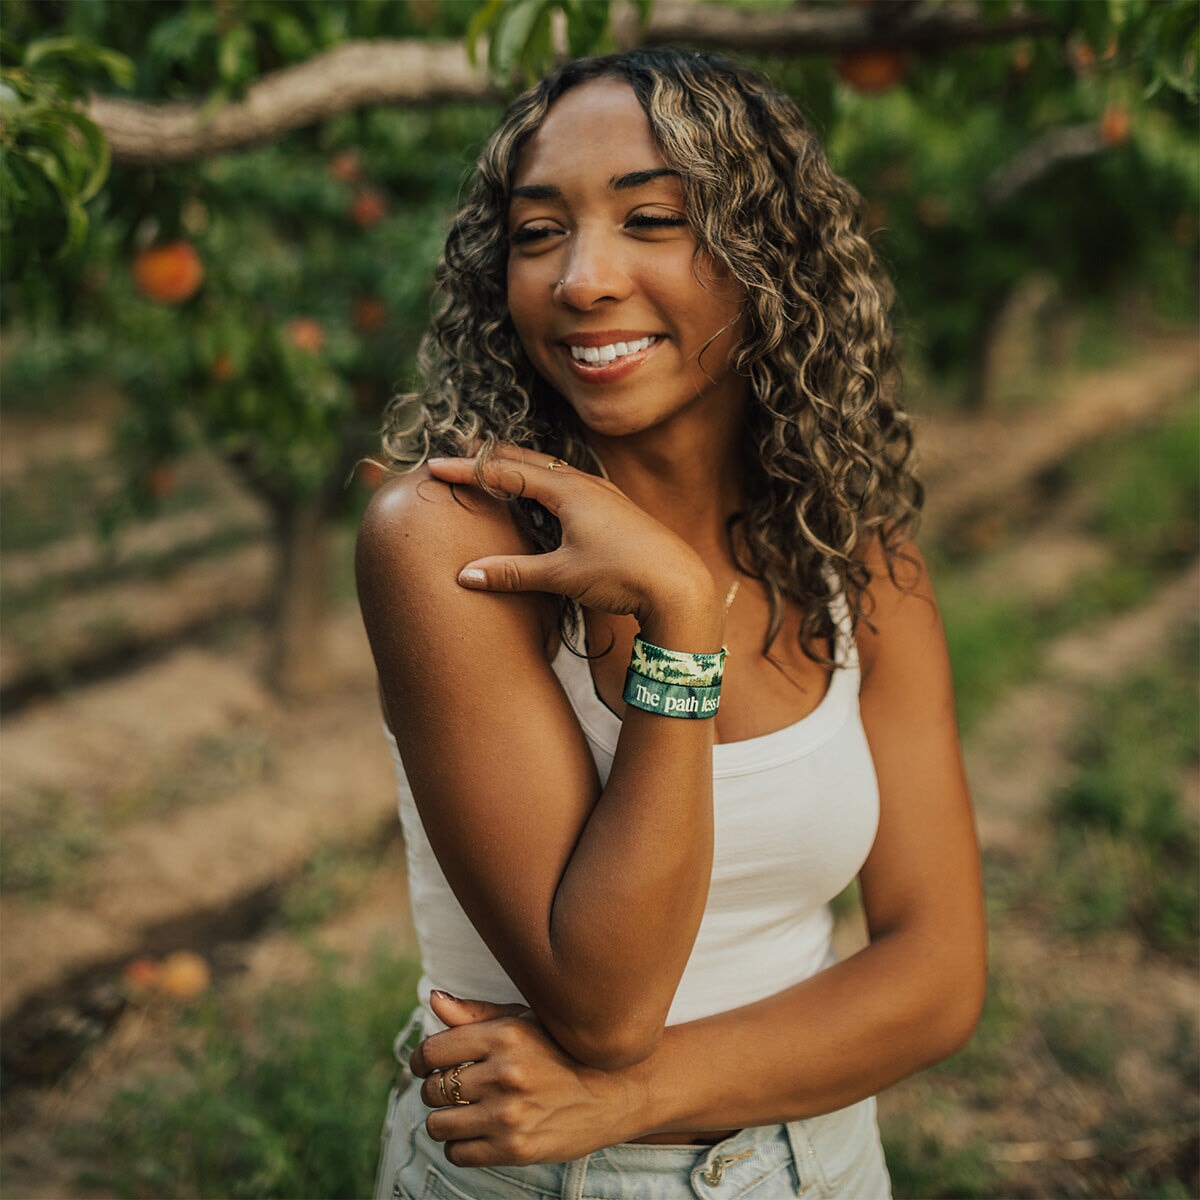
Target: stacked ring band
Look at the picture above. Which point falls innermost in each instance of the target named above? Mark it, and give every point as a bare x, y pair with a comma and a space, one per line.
456, 1086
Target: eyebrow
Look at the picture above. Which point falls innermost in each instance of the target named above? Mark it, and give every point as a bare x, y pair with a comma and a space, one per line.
620, 183
638, 178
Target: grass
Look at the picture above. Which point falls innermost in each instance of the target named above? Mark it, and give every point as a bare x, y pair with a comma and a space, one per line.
922, 1167
284, 1098
48, 835
1126, 853
54, 501
1144, 492
1082, 1037
333, 880
45, 839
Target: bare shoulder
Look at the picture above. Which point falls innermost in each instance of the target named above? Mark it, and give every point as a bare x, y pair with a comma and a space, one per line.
415, 536
902, 611
416, 521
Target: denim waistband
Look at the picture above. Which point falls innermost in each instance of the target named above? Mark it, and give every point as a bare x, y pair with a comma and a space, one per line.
800, 1158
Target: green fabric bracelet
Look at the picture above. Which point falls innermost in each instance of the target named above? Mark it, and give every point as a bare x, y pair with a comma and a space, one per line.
671, 699
676, 667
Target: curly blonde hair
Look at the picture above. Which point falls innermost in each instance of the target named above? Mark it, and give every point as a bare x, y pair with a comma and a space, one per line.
827, 446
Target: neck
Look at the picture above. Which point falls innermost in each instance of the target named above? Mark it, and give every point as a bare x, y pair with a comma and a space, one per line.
692, 487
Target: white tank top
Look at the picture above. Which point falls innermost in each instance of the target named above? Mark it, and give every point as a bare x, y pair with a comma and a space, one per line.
795, 814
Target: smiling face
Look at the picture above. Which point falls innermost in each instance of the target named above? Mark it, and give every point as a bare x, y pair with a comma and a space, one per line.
613, 306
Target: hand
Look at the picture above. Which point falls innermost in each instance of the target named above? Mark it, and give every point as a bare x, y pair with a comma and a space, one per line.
614, 556
527, 1101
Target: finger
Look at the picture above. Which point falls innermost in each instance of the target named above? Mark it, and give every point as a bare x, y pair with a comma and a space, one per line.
453, 1087
470, 1152
433, 1091
443, 1051
511, 573
452, 1011
457, 1124
542, 480
488, 1152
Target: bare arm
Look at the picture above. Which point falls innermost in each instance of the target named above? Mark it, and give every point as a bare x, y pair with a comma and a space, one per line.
567, 884
910, 998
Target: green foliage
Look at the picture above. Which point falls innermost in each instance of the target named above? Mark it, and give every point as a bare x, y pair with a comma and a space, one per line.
34, 512
294, 279
1150, 504
993, 643
1127, 849
927, 157
330, 881
53, 159
521, 38
1145, 508
283, 1101
923, 1168
1083, 1038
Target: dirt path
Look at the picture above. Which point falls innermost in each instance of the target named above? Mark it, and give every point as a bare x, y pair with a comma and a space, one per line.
328, 784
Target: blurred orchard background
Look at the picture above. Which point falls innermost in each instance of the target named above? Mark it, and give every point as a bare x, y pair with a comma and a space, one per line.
219, 220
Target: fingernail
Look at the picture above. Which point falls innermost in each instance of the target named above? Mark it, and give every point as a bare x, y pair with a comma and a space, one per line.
434, 462
442, 995
471, 577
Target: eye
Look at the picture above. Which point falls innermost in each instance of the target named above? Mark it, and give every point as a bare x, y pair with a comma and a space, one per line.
655, 221
531, 234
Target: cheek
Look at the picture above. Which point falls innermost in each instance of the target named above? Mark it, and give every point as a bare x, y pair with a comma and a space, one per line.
718, 283
521, 306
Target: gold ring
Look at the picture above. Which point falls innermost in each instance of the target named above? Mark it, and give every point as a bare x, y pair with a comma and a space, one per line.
557, 464
442, 1088
456, 1085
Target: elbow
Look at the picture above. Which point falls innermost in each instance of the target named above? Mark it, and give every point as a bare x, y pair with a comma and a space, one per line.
611, 1046
960, 1024
958, 1016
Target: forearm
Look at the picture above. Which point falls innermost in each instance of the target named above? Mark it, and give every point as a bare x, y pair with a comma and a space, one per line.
589, 898
626, 912
845, 1034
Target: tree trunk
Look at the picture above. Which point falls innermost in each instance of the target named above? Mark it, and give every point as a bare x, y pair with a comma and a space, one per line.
297, 664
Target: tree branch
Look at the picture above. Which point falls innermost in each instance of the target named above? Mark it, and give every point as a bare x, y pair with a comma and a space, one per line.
892, 25
353, 75
361, 73
1040, 157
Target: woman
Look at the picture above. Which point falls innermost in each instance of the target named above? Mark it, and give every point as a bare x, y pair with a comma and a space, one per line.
659, 421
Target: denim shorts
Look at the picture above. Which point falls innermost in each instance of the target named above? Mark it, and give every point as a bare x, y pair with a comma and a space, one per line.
836, 1155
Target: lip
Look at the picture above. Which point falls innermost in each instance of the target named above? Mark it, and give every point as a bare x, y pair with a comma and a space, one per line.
606, 337
611, 372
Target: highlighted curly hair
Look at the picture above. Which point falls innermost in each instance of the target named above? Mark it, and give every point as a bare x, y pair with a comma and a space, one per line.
827, 446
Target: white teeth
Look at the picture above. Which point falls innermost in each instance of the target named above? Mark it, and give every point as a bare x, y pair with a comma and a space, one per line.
606, 354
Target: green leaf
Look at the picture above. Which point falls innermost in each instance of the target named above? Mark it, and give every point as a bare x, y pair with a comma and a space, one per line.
587, 27
95, 154
72, 53
538, 52
237, 61
480, 26
51, 167
288, 34
512, 34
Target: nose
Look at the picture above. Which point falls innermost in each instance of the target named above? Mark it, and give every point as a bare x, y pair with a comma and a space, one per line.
592, 272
